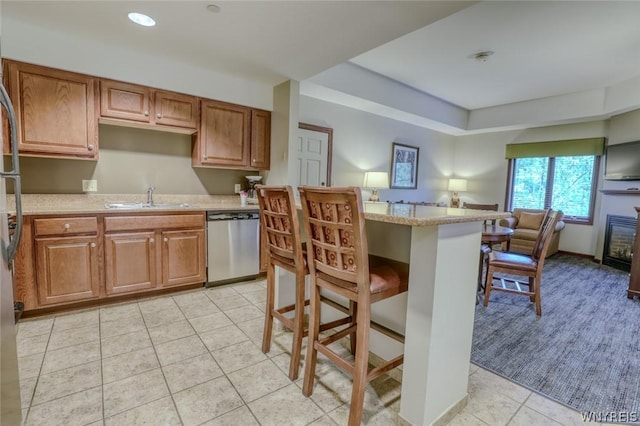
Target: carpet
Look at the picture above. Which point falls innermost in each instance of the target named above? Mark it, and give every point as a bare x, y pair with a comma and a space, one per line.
584, 351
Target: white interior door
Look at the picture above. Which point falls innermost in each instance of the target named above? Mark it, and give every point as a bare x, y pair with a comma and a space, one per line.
313, 157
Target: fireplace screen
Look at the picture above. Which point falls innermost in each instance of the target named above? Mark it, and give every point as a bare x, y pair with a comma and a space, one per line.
618, 242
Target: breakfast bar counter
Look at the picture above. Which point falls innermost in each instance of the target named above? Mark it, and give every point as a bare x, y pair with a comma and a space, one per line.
441, 245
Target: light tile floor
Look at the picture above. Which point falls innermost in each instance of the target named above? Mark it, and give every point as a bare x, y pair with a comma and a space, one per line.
194, 358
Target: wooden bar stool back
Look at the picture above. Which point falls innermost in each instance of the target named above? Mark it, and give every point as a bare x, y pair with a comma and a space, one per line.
529, 266
339, 263
281, 232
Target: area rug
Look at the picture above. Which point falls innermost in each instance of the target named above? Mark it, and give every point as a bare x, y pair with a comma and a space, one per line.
584, 351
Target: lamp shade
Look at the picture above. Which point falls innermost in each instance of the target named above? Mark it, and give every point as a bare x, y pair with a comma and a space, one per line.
457, 185
376, 180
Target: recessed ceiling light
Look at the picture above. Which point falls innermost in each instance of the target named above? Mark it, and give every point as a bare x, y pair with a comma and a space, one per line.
142, 19
213, 8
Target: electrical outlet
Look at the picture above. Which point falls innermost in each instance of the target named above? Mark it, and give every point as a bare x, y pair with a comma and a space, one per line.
89, 185
237, 188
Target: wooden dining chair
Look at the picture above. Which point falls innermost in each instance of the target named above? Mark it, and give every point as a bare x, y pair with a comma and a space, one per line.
339, 264
529, 266
484, 247
281, 233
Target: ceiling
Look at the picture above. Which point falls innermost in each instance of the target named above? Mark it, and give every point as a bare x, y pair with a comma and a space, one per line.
541, 49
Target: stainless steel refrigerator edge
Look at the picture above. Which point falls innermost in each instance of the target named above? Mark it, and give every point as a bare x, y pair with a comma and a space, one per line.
10, 407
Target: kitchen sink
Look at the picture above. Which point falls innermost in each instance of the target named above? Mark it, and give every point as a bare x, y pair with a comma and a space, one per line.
128, 206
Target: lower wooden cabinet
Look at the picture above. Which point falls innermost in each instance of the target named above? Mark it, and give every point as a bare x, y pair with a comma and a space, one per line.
183, 257
148, 260
66, 260
146, 252
634, 276
67, 269
130, 262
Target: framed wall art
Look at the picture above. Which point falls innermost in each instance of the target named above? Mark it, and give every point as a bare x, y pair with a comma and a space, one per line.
404, 166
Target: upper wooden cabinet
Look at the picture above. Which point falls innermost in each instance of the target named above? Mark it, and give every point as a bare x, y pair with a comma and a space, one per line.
260, 139
232, 136
140, 104
55, 110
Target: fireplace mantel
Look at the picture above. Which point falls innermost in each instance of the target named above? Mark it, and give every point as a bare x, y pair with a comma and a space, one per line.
620, 191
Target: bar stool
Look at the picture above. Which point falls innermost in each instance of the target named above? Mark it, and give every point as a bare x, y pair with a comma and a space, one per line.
339, 263
281, 232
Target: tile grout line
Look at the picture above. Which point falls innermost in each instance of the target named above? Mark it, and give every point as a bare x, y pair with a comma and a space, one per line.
35, 387
155, 352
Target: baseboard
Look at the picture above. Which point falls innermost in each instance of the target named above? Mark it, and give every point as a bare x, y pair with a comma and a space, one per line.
583, 255
445, 418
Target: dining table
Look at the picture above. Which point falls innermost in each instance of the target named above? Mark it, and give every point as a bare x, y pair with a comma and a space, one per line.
495, 234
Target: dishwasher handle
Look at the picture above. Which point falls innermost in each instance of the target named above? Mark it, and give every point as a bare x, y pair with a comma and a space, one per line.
212, 217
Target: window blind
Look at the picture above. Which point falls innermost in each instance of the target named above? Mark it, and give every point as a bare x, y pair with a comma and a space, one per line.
590, 146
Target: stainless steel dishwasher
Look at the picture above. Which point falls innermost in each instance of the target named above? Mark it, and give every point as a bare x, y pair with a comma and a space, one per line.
233, 245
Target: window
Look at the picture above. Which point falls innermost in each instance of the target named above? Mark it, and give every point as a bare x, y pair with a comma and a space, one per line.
564, 183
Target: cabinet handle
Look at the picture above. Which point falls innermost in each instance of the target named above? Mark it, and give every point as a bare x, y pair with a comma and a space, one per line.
146, 113
166, 240
159, 115
93, 245
90, 147
67, 226
151, 240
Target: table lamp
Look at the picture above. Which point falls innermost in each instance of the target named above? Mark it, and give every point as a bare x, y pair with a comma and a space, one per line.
455, 186
375, 180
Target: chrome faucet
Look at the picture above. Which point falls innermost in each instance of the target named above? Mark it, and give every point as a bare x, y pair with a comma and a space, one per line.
150, 194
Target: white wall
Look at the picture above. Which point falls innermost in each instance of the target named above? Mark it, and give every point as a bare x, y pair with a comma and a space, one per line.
41, 46
130, 160
362, 141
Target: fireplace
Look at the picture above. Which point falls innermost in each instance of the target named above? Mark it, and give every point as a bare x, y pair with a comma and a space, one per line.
618, 241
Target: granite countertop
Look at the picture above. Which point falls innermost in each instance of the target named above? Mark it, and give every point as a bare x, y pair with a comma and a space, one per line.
402, 214
415, 215
46, 204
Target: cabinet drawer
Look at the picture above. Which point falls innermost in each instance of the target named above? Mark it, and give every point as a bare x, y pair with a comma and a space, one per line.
134, 223
65, 226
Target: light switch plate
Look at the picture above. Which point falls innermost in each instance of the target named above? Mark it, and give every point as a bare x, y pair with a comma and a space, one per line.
237, 188
89, 185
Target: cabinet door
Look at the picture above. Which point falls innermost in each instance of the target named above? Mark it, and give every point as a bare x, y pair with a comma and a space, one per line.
175, 109
130, 262
183, 257
66, 269
224, 135
55, 110
125, 101
634, 276
260, 139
